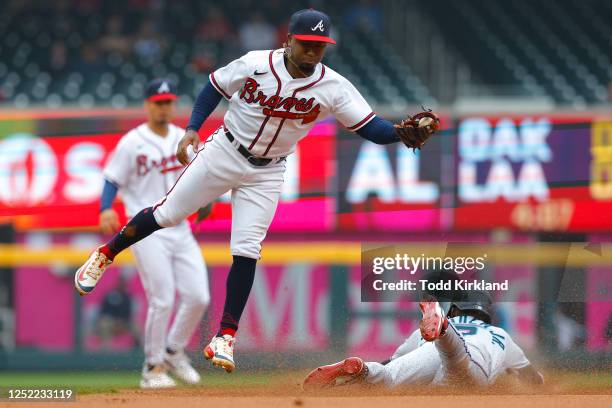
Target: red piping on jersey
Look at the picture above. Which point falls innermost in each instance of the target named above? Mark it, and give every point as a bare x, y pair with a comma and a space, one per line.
293, 95
364, 120
181, 175
173, 168
216, 85
278, 89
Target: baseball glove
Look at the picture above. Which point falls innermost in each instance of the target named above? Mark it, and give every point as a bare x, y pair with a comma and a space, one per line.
415, 130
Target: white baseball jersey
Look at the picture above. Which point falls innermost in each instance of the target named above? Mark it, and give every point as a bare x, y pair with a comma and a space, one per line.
270, 111
144, 166
489, 345
490, 349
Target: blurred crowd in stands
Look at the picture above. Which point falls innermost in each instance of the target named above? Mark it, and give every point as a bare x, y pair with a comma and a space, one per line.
146, 29
88, 52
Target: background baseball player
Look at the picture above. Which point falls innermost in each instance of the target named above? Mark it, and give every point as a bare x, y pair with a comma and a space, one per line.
142, 168
275, 97
461, 348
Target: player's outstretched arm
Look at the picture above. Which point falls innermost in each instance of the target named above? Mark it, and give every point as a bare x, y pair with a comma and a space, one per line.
379, 131
413, 132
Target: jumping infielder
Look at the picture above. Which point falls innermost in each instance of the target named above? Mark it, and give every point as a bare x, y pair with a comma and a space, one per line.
142, 168
462, 348
275, 97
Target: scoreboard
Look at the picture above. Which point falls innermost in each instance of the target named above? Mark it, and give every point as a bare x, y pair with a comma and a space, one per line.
527, 173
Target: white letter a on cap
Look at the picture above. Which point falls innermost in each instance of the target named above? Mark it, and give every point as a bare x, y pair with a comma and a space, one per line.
319, 26
163, 88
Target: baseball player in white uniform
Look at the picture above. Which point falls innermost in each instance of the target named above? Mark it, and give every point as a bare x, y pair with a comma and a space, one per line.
462, 348
142, 168
275, 97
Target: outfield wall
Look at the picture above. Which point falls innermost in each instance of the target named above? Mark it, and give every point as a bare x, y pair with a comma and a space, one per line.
487, 178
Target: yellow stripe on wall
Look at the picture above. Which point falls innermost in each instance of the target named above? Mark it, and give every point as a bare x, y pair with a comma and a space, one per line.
337, 252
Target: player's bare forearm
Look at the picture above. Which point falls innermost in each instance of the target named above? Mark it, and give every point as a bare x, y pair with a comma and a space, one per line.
191, 138
529, 375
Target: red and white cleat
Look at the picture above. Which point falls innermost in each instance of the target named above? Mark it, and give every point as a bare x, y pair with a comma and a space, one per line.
434, 322
221, 351
87, 276
348, 371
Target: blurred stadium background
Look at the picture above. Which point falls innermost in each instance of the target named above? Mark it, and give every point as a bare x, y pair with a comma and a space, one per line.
525, 91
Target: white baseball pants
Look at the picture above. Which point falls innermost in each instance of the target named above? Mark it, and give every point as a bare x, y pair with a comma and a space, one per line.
443, 361
216, 169
170, 261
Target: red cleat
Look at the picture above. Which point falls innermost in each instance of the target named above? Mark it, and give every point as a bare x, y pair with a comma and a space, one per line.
434, 322
345, 372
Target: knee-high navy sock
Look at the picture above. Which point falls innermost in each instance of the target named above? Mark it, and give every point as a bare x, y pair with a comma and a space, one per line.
238, 286
141, 226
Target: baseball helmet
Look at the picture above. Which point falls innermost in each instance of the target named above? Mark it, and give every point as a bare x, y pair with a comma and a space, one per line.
477, 303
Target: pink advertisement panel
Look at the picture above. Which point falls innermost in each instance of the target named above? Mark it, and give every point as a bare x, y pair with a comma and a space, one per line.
289, 308
599, 309
56, 181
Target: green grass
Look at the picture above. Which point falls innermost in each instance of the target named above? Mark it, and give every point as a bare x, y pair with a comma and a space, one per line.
596, 379
82, 382
108, 382
92, 382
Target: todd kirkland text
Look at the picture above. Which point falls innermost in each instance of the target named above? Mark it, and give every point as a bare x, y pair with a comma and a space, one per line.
423, 284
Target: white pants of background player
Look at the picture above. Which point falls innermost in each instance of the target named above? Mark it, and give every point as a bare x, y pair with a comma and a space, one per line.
170, 261
439, 362
217, 168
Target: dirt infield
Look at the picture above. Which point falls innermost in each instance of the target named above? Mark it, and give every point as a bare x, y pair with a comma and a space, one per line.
562, 391
185, 400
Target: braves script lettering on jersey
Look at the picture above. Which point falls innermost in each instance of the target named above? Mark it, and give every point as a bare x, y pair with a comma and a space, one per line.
144, 166
490, 349
270, 113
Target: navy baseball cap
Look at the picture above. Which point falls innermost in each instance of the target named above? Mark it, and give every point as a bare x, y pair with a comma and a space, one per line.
310, 25
161, 90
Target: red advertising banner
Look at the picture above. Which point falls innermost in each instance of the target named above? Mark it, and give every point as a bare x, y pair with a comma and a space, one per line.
55, 181
526, 173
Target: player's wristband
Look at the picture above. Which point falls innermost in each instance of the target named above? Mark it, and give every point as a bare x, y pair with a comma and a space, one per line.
379, 131
109, 192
